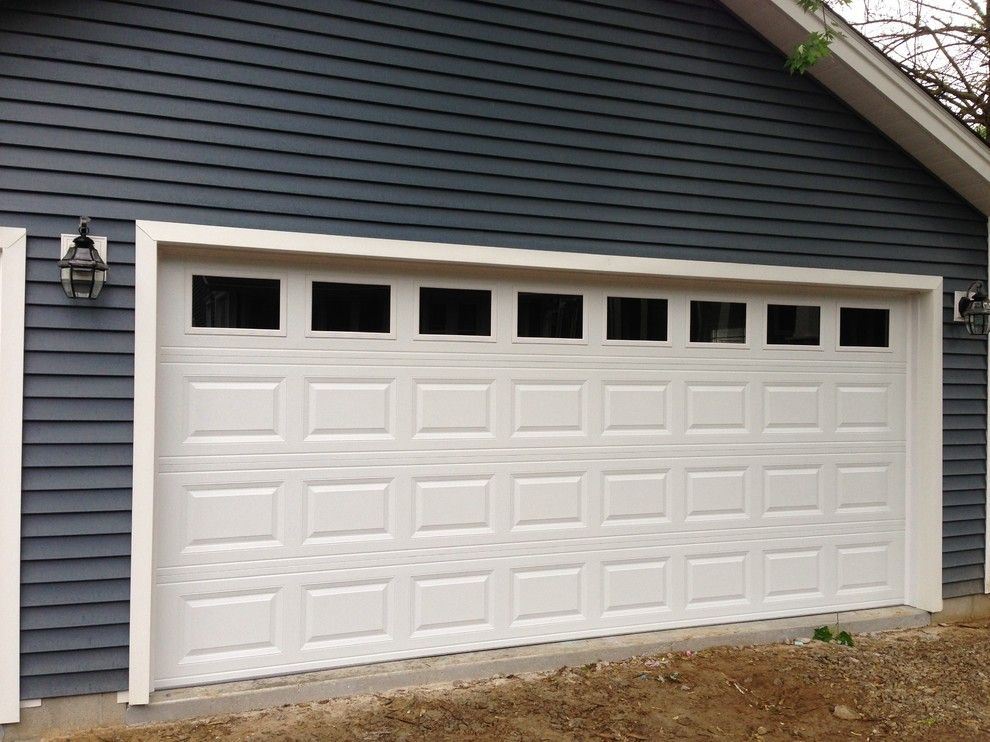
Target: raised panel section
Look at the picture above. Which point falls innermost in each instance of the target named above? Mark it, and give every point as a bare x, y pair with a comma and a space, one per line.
547, 595
863, 568
714, 494
548, 409
863, 408
716, 408
234, 410
452, 604
452, 506
348, 511
793, 573
717, 580
634, 497
350, 409
792, 408
863, 488
346, 613
547, 501
455, 409
635, 587
792, 491
232, 517
635, 409
229, 625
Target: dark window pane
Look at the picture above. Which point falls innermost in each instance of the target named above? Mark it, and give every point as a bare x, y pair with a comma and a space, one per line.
549, 315
242, 303
793, 325
864, 328
455, 312
350, 307
636, 319
718, 322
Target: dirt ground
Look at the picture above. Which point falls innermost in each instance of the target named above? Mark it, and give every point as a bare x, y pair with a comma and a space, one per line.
931, 684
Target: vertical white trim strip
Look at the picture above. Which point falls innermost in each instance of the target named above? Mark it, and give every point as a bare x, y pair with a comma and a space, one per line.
143, 482
923, 545
13, 251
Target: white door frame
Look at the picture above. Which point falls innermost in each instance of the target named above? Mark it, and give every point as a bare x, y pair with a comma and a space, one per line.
13, 251
923, 547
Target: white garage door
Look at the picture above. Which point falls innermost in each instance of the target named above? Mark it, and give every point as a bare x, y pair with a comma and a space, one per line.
365, 462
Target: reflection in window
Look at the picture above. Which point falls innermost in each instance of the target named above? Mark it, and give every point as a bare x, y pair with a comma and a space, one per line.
240, 303
350, 307
636, 319
788, 324
549, 315
864, 328
455, 312
718, 322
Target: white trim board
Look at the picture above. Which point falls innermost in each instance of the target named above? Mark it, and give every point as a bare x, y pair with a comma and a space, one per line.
924, 501
881, 92
13, 250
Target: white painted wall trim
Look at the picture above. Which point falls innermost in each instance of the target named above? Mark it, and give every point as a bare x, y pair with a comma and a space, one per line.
924, 507
880, 91
13, 251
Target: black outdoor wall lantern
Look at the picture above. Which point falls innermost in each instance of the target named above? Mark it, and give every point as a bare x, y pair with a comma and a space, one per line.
974, 308
82, 271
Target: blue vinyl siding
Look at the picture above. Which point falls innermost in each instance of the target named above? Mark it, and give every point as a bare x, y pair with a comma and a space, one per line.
635, 127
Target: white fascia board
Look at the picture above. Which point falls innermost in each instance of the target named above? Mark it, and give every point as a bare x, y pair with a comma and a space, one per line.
13, 251
881, 92
208, 237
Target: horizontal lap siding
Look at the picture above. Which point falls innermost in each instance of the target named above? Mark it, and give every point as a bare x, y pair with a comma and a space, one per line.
634, 127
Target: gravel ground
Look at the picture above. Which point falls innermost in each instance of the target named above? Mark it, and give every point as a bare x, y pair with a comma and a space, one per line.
931, 684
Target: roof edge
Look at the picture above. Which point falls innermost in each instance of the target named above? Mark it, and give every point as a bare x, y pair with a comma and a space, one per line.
882, 93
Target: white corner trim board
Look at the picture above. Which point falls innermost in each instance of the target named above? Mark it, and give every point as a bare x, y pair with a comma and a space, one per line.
922, 295
13, 244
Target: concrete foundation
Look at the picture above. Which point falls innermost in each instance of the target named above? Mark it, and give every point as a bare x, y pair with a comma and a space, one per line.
965, 608
84, 712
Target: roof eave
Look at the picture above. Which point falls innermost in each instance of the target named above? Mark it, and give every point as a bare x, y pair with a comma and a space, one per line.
883, 94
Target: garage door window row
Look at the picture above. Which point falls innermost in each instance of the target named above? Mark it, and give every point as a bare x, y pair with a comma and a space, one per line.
255, 304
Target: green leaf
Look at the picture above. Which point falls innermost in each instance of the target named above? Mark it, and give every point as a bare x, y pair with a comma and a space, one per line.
822, 634
844, 637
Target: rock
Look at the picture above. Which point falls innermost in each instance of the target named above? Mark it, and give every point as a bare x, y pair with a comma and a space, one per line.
844, 712
761, 730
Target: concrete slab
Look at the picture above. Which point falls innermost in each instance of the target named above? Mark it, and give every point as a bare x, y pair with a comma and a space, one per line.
225, 698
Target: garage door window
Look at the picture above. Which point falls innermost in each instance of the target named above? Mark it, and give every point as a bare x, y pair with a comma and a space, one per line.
718, 322
351, 308
550, 316
861, 327
236, 303
464, 312
788, 324
636, 319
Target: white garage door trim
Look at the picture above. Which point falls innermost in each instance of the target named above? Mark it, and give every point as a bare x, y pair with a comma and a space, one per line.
923, 512
13, 244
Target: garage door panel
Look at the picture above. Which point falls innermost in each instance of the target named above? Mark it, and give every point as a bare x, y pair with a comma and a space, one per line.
433, 409
299, 621
325, 499
212, 517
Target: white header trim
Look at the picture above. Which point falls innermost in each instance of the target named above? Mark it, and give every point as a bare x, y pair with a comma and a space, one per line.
13, 250
924, 500
194, 235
